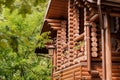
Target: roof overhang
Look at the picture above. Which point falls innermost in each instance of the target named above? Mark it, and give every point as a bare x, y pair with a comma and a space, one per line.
57, 10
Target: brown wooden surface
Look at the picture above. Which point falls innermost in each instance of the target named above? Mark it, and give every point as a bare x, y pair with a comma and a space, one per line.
108, 49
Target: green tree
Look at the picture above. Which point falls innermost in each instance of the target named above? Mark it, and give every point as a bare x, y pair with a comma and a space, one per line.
19, 36
24, 6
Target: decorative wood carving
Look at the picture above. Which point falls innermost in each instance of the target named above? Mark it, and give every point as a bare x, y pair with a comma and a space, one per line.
70, 31
94, 45
59, 49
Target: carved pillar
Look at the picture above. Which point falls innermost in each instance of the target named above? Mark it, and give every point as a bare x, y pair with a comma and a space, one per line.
59, 49
87, 39
63, 40
76, 25
70, 31
63, 29
76, 20
94, 40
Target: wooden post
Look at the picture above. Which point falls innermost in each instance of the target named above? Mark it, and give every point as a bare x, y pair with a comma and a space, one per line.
70, 31
101, 20
94, 40
52, 70
76, 21
63, 40
54, 60
87, 40
76, 26
108, 48
103, 54
88, 47
59, 49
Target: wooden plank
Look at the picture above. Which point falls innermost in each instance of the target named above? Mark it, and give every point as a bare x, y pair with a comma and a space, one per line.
77, 66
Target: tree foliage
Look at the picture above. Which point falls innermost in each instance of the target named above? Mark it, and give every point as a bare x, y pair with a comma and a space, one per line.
24, 6
19, 36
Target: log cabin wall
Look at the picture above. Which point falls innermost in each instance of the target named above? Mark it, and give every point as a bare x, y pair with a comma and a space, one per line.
87, 42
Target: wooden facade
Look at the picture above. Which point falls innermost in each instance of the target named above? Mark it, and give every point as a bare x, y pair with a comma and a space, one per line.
86, 37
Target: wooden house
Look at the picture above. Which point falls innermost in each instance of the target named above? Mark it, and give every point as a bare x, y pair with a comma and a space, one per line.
86, 39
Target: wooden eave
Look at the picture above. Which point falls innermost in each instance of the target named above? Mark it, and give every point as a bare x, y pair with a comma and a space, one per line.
57, 10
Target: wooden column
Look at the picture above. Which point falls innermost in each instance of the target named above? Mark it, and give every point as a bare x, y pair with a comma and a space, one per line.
76, 26
54, 60
63, 33
103, 42
59, 49
63, 40
70, 31
76, 21
94, 40
87, 39
103, 54
108, 48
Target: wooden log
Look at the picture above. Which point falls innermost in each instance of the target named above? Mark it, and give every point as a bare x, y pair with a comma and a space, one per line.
56, 28
94, 44
70, 31
59, 49
94, 39
93, 34
87, 40
114, 14
53, 21
94, 49
93, 29
80, 37
92, 19
55, 24
94, 54
93, 24
76, 21
63, 23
